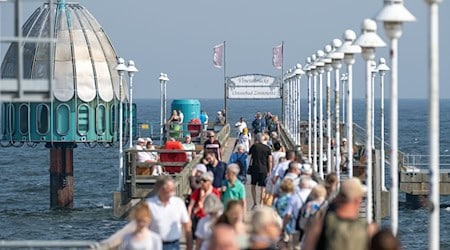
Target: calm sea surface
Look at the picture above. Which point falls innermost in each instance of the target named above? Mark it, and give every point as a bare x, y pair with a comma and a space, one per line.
24, 178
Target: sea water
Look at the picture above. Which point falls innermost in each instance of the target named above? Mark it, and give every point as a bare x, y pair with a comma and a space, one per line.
24, 178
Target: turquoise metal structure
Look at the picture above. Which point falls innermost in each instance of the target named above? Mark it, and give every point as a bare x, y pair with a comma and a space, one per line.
86, 86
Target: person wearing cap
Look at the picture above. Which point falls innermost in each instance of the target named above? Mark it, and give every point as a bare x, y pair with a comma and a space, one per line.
340, 227
189, 145
232, 188
196, 208
196, 175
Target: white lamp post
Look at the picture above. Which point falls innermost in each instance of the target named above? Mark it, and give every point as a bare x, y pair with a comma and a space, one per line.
393, 15
298, 72
433, 137
120, 68
328, 69
382, 68
369, 41
131, 71
374, 73
163, 79
344, 93
315, 73
336, 57
320, 69
349, 50
309, 67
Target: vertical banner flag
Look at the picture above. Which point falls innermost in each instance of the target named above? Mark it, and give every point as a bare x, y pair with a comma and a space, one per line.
218, 55
277, 58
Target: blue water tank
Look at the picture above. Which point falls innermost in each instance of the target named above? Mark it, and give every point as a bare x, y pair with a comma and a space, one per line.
190, 109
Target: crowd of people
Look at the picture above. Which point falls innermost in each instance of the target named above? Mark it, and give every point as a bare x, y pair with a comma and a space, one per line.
294, 210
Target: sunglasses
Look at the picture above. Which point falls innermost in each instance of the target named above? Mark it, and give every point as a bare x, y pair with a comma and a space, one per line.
204, 180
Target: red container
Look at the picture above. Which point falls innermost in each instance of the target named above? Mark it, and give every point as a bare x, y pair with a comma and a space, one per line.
194, 127
173, 157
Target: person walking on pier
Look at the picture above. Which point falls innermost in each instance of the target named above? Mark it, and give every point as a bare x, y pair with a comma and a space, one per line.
213, 144
169, 215
142, 238
340, 226
215, 166
260, 167
258, 125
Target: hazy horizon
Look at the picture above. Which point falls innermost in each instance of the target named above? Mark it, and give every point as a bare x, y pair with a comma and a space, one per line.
178, 37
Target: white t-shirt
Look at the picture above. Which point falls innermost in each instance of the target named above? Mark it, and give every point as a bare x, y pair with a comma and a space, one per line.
204, 230
240, 126
152, 241
276, 157
142, 156
167, 220
189, 146
245, 140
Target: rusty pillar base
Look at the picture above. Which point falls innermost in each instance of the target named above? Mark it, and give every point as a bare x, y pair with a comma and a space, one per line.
61, 175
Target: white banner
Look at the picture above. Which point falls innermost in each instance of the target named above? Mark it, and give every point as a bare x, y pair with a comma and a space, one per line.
253, 87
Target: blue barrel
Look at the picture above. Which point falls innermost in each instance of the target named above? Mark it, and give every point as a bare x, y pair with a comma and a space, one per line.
190, 109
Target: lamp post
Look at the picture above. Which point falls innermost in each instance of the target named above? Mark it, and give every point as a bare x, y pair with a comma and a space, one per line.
309, 67
131, 71
374, 73
433, 137
344, 93
120, 68
328, 69
315, 73
369, 41
320, 69
163, 79
382, 68
336, 57
349, 50
393, 15
298, 72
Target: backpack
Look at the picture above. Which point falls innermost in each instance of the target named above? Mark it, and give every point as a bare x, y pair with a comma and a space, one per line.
302, 220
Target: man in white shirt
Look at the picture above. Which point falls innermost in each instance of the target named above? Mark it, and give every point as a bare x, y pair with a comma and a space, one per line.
169, 215
240, 125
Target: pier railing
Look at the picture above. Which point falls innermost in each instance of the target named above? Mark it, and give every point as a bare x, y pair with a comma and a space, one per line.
138, 186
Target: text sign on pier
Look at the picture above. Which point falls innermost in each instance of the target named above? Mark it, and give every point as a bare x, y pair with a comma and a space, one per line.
253, 87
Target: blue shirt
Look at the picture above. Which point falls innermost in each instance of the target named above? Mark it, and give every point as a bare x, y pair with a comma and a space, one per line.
218, 172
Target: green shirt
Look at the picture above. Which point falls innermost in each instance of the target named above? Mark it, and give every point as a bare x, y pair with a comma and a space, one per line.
235, 192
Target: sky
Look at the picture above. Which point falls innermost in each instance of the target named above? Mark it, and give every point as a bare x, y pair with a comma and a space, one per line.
177, 37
